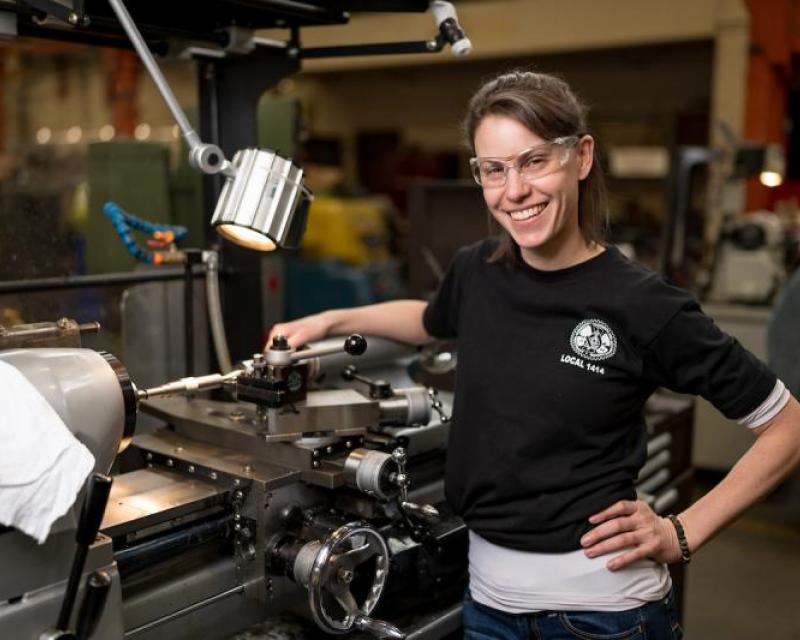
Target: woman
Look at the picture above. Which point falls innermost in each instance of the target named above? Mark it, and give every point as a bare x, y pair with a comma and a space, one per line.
561, 340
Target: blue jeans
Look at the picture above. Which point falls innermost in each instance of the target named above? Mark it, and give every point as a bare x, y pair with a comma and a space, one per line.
652, 621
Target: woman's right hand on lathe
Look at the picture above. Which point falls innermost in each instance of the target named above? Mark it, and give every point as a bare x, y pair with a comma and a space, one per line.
301, 331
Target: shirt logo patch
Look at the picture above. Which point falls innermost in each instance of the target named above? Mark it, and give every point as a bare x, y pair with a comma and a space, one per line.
593, 340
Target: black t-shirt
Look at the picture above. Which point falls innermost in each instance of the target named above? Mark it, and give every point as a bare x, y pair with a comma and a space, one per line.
554, 368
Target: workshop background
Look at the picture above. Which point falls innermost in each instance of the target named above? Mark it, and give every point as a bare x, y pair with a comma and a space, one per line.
380, 139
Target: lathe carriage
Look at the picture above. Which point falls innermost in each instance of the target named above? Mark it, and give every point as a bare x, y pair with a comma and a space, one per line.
281, 497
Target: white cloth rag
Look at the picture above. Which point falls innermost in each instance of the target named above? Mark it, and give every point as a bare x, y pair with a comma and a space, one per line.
42, 465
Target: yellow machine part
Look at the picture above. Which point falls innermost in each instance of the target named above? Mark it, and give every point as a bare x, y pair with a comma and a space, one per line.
353, 230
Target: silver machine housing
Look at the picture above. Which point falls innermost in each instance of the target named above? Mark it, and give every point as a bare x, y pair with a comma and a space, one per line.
231, 514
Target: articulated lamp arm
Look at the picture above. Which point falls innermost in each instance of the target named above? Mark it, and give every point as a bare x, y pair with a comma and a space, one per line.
204, 157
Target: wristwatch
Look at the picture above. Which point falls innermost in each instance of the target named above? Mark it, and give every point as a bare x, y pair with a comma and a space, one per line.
686, 555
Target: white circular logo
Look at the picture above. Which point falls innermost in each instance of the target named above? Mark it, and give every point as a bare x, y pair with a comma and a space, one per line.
593, 339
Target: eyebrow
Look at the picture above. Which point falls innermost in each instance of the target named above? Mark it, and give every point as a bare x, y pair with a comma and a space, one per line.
514, 155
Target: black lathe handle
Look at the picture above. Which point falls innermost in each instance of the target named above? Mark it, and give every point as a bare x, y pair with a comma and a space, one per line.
97, 586
94, 506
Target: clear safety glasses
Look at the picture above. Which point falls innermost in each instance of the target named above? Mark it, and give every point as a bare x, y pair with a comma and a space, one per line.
533, 163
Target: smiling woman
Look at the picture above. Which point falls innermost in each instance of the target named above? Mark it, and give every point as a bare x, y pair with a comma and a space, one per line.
542, 110
549, 432
537, 209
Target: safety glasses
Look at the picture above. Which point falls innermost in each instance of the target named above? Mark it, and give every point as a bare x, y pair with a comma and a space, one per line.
531, 164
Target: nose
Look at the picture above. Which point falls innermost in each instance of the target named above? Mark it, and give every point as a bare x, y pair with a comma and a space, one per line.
516, 188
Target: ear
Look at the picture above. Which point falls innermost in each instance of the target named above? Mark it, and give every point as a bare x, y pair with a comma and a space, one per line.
585, 152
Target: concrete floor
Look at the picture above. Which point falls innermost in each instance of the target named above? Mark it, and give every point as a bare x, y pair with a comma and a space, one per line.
745, 584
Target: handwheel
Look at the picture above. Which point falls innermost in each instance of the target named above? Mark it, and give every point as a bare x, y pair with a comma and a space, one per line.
331, 576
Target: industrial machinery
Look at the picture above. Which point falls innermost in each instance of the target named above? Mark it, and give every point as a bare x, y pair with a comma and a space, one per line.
290, 488
750, 259
293, 493
254, 196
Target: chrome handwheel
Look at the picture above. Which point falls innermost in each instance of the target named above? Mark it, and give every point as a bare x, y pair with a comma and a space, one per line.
331, 575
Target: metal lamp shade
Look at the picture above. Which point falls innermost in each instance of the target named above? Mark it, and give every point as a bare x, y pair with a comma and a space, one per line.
264, 205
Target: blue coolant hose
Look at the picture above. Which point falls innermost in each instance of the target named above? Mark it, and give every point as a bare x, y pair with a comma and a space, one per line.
124, 222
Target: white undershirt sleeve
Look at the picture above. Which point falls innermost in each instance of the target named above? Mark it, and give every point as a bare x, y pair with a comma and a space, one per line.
768, 409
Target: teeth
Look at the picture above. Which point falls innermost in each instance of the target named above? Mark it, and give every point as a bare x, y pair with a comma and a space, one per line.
526, 214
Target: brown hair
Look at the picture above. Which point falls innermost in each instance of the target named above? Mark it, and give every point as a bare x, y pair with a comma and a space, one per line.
547, 106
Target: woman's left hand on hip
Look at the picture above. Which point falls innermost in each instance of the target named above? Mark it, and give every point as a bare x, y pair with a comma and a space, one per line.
633, 526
